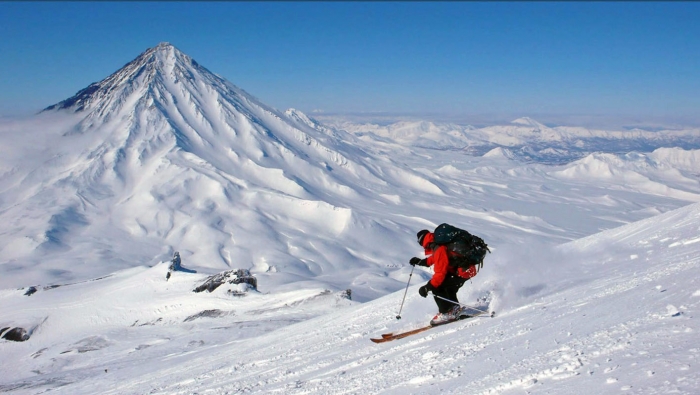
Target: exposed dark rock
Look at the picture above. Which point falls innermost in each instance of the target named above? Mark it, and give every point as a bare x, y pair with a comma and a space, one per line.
347, 294
176, 262
79, 100
176, 266
206, 313
231, 276
136, 323
30, 291
16, 334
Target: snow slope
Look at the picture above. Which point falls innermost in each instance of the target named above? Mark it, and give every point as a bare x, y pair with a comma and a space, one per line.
98, 191
612, 312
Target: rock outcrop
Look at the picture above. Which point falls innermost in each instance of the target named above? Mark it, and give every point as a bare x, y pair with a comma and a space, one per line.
15, 334
239, 276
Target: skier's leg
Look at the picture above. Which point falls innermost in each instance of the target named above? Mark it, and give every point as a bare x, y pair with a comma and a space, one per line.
454, 286
450, 287
443, 305
447, 290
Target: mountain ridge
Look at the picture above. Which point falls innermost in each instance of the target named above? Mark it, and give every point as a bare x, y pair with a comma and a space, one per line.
170, 157
528, 139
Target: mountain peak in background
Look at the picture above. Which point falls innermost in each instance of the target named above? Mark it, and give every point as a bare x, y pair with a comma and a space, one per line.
141, 71
527, 121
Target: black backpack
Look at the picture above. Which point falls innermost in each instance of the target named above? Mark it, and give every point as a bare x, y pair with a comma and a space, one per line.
463, 249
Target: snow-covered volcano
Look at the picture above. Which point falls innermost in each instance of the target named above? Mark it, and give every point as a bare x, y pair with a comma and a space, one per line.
168, 154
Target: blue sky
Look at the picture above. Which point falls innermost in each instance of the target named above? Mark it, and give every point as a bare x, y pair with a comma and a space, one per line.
569, 62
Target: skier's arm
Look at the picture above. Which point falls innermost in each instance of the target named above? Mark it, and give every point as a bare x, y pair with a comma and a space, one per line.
440, 263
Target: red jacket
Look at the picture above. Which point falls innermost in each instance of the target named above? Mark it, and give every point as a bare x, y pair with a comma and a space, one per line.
439, 261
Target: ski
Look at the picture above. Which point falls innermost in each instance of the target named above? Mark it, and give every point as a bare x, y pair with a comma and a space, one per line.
390, 336
386, 337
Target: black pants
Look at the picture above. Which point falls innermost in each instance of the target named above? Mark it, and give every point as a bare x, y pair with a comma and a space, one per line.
448, 290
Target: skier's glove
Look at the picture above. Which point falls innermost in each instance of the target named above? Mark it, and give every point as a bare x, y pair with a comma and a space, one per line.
417, 261
423, 291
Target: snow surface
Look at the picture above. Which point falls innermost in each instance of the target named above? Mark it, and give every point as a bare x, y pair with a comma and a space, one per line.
593, 271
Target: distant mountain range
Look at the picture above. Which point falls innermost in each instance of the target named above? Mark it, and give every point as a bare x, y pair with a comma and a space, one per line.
523, 139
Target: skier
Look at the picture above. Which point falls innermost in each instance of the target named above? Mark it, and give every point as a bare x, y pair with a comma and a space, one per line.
446, 280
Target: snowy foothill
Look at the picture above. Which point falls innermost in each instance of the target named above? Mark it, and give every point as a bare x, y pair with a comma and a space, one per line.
611, 312
594, 236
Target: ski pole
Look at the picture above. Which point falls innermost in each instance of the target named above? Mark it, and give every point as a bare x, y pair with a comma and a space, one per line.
398, 316
464, 305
